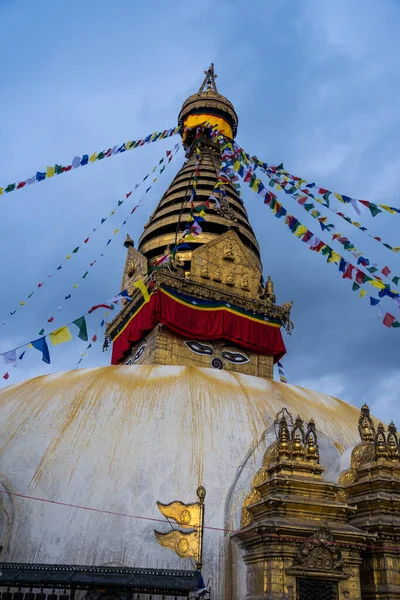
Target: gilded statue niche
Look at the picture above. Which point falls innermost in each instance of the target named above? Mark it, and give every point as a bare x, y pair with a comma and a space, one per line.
135, 267
226, 263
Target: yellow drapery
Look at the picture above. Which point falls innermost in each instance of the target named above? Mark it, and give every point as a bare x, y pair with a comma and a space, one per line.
195, 120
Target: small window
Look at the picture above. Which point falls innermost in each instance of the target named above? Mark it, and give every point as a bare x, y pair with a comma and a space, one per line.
316, 589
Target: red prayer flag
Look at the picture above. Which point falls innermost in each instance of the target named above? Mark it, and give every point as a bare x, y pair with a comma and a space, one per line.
6, 376
94, 338
86, 241
168, 152
365, 202
128, 194
40, 285
377, 238
50, 320
359, 277
302, 200
91, 264
322, 191
68, 168
21, 185
99, 306
386, 271
348, 274
388, 319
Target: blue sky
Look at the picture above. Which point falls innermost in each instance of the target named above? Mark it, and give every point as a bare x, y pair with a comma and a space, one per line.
315, 85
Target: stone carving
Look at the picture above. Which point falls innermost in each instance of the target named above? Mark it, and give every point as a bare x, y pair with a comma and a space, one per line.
231, 278
229, 252
320, 553
205, 273
381, 452
245, 282
217, 275
251, 498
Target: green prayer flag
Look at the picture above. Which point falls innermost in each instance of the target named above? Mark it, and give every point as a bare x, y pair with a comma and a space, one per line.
83, 276
101, 155
57, 169
374, 209
326, 197
272, 203
355, 286
41, 332
10, 187
372, 269
271, 183
200, 208
280, 167
120, 202
75, 250
31, 294
395, 324
81, 325
396, 280
326, 250
308, 206
161, 161
162, 170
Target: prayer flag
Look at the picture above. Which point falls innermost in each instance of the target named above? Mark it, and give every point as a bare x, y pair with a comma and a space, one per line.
81, 325
42, 346
6, 376
141, 286
362, 293
94, 338
388, 319
10, 357
98, 306
386, 271
59, 336
41, 332
374, 301
50, 320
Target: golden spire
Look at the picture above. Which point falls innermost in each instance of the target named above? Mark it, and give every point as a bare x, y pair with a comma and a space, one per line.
365, 425
209, 80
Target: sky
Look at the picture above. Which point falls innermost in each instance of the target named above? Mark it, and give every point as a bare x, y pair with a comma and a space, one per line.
315, 85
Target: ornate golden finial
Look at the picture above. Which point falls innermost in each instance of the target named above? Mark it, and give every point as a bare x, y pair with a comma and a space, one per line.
365, 425
283, 438
298, 438
311, 442
128, 241
269, 290
209, 81
392, 441
380, 443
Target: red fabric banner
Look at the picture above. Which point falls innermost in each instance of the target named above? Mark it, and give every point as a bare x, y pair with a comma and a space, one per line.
200, 323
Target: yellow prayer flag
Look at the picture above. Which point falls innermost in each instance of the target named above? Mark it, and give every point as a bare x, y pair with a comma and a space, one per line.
93, 157
339, 197
377, 284
1, 190
190, 237
315, 213
388, 208
155, 179
356, 223
115, 231
112, 213
140, 285
236, 165
50, 171
76, 285
59, 336
334, 257
22, 303
396, 249
362, 293
154, 169
278, 187
190, 218
185, 545
202, 213
68, 257
186, 515
301, 230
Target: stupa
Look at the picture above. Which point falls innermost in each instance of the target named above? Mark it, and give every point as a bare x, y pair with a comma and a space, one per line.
302, 491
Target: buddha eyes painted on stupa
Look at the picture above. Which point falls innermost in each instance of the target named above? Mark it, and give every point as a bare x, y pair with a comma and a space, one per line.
233, 355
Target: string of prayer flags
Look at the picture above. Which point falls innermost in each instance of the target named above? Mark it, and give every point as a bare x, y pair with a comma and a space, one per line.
173, 152
80, 161
308, 206
59, 336
82, 327
321, 195
348, 270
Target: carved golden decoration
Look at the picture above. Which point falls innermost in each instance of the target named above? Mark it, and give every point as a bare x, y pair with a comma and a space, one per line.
381, 452
311, 442
245, 282
392, 441
271, 455
217, 275
229, 251
363, 453
319, 553
231, 278
205, 273
341, 496
260, 477
251, 498
348, 476
365, 425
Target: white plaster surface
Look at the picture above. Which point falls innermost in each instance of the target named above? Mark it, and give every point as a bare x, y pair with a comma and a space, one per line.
120, 438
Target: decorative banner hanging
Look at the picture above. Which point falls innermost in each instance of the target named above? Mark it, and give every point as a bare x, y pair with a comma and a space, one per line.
80, 161
169, 156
